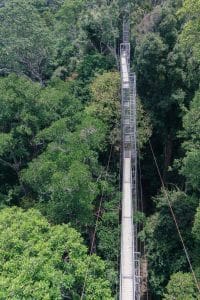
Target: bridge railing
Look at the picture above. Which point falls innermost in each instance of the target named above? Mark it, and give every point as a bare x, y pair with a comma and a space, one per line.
130, 277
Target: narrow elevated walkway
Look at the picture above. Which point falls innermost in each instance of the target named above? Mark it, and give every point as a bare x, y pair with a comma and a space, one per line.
130, 267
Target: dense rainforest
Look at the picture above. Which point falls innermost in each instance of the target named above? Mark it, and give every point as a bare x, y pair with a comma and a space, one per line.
60, 141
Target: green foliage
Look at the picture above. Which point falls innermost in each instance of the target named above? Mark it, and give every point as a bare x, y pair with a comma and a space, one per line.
195, 232
181, 287
144, 127
189, 37
191, 133
64, 175
68, 30
191, 124
85, 27
196, 227
55, 138
5, 142
92, 64
21, 116
109, 228
26, 42
159, 65
105, 105
167, 80
164, 249
40, 261
25, 110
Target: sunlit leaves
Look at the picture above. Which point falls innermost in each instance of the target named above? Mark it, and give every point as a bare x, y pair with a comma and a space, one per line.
181, 287
40, 261
189, 37
105, 105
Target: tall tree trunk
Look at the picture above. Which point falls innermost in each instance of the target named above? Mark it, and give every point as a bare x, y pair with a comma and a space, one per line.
92, 237
167, 155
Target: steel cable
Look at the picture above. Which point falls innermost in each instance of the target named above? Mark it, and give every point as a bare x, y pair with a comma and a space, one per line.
96, 224
142, 209
175, 221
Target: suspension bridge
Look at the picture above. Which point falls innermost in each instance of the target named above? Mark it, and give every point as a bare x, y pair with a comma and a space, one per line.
130, 277
130, 257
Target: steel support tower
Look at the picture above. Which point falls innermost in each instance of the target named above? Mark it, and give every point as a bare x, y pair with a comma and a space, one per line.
130, 258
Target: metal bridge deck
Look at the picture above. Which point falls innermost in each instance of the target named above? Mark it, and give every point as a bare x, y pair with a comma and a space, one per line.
130, 267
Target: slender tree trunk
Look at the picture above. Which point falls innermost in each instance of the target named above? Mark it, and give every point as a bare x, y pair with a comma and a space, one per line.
92, 240
167, 155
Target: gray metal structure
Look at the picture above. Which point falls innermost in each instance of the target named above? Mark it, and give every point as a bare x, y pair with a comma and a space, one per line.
130, 257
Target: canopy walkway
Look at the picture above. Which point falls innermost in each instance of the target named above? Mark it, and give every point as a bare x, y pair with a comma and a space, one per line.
130, 257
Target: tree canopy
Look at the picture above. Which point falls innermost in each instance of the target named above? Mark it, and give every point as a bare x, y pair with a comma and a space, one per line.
60, 139
41, 261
